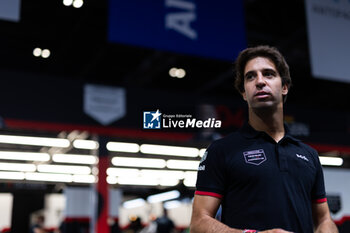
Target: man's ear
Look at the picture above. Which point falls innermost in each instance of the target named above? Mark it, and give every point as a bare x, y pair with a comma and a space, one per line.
285, 89
244, 95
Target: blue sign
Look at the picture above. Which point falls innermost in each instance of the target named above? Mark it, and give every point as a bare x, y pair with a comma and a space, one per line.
152, 120
205, 28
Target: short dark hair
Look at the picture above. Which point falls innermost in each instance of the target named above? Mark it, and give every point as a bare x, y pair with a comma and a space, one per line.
261, 51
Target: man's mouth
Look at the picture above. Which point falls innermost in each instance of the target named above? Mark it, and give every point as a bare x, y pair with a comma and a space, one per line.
262, 94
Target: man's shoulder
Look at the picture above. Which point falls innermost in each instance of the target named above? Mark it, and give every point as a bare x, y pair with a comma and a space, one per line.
307, 147
227, 140
227, 143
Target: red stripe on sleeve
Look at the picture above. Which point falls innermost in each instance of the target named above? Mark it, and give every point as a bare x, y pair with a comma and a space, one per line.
320, 200
208, 194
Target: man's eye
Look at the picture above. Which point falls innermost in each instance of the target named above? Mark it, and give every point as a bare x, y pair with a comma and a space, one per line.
269, 74
249, 76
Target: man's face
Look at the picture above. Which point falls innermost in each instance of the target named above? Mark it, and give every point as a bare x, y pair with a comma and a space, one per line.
263, 84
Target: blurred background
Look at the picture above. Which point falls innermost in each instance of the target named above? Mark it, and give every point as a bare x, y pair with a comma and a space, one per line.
80, 79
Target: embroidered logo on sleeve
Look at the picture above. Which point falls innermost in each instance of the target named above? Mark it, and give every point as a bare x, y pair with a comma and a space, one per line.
255, 157
202, 167
204, 157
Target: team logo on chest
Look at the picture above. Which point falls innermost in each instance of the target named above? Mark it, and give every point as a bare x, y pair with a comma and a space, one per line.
255, 157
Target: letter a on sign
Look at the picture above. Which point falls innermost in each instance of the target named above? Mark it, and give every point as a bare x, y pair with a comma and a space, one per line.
103, 103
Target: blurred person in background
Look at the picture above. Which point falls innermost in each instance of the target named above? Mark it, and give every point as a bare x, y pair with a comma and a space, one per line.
135, 225
164, 223
38, 226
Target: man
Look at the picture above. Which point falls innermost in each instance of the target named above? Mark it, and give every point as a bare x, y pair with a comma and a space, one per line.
264, 179
38, 226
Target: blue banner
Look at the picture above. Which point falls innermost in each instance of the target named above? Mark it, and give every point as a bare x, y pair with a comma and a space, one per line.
207, 28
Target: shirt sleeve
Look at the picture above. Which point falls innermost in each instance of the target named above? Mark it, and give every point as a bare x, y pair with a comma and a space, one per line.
318, 194
211, 173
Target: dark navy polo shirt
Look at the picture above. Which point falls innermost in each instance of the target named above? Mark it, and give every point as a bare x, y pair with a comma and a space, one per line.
262, 184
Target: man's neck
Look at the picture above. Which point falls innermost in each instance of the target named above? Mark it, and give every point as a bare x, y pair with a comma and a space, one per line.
269, 121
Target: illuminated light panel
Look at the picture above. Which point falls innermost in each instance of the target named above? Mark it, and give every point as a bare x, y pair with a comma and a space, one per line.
74, 158
49, 177
22, 167
172, 204
85, 144
123, 147
137, 181
168, 182
189, 183
169, 150
12, 175
202, 151
27, 156
81, 170
182, 164
129, 172
138, 162
35, 141
162, 173
84, 179
190, 179
134, 203
331, 161
161, 197
112, 180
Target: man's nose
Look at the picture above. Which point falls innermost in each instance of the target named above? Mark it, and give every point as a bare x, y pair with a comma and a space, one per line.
260, 81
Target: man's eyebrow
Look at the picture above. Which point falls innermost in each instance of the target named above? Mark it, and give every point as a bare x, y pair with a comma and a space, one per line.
270, 70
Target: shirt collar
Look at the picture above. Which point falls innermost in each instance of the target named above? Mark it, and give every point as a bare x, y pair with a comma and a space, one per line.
249, 132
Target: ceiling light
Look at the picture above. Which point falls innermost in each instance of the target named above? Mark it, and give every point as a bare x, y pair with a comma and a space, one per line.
190, 179
37, 52
27, 156
129, 172
162, 173
177, 73
137, 181
123, 147
81, 170
169, 150
172, 204
172, 72
45, 53
49, 177
137, 162
35, 141
12, 175
74, 158
78, 3
331, 161
134, 203
182, 164
112, 180
168, 182
190, 182
85, 144
67, 2
180, 73
84, 179
22, 167
161, 197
